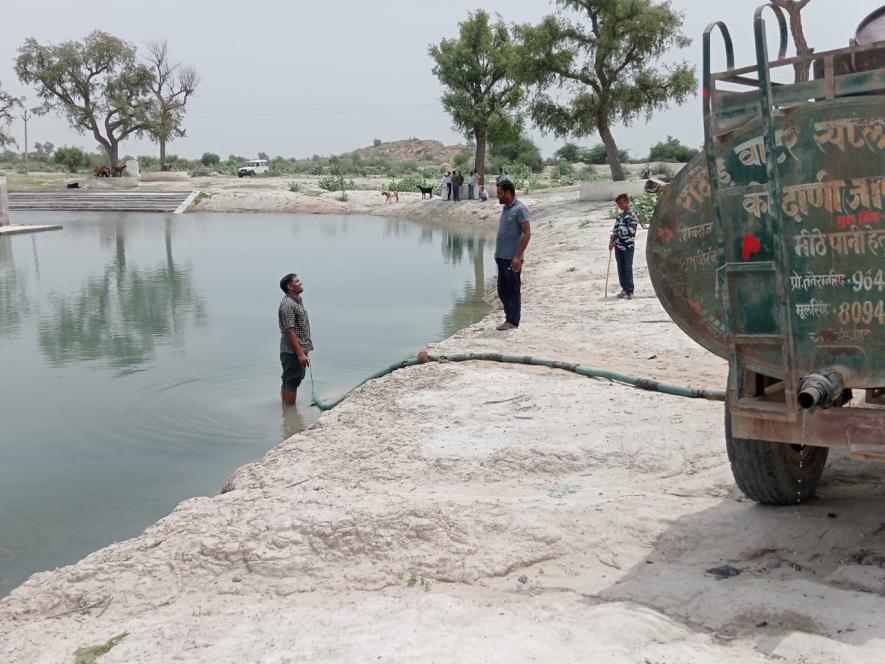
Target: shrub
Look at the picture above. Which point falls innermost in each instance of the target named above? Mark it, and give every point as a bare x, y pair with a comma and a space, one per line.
563, 174
408, 183
343, 197
72, 158
521, 151
671, 150
335, 183
210, 159
200, 172
294, 187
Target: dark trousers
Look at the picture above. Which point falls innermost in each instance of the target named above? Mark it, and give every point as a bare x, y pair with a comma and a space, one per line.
448, 191
456, 192
624, 258
509, 285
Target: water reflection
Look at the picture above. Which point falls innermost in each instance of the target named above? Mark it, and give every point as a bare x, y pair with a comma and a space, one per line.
120, 314
13, 291
471, 305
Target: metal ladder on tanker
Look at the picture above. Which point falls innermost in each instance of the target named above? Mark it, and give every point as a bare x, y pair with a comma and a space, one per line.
742, 329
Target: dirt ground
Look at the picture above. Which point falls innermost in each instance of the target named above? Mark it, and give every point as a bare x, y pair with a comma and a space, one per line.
480, 512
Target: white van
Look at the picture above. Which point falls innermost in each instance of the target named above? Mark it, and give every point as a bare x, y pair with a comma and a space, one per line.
253, 167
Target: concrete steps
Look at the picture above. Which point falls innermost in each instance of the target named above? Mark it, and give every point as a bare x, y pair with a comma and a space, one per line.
116, 201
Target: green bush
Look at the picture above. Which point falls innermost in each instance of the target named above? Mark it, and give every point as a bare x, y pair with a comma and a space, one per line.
336, 183
210, 159
408, 183
294, 187
521, 151
72, 158
563, 174
671, 150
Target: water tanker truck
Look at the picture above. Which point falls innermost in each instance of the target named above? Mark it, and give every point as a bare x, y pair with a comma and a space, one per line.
768, 249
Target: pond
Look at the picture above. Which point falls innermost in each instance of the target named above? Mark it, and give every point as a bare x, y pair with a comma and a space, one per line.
139, 360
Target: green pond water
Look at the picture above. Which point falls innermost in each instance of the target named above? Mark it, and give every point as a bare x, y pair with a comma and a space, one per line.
139, 359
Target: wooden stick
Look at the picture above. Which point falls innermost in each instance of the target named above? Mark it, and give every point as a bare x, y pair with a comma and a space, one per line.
609, 269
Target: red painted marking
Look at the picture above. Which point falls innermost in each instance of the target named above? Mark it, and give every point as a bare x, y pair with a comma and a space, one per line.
706, 93
749, 246
868, 216
846, 220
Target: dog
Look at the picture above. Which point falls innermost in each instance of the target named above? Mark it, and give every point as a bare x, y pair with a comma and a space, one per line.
390, 194
425, 191
73, 185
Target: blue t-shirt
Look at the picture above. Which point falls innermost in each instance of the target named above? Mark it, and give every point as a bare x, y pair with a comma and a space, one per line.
510, 229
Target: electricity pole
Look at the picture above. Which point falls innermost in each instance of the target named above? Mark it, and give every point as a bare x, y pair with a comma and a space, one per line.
26, 115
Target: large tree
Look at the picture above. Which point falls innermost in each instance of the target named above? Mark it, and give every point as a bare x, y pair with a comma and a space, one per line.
97, 84
592, 65
8, 103
794, 11
481, 95
172, 85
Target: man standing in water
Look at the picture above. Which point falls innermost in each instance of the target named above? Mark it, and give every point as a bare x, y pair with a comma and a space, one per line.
295, 341
514, 232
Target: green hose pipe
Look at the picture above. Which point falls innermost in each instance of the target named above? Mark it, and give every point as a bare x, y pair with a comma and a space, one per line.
590, 372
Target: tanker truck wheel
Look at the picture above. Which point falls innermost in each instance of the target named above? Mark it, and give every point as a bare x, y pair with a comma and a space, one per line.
774, 473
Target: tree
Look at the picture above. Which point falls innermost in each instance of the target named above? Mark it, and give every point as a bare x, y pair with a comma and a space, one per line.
481, 95
520, 151
72, 158
97, 84
376, 142
794, 9
210, 159
606, 69
8, 104
570, 152
171, 87
671, 150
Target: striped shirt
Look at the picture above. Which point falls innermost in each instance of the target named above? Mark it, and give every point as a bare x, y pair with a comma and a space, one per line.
624, 231
292, 314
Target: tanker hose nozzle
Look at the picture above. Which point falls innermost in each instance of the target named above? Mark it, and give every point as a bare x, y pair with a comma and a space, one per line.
820, 389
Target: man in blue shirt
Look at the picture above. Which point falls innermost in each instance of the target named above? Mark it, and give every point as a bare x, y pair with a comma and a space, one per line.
622, 240
514, 232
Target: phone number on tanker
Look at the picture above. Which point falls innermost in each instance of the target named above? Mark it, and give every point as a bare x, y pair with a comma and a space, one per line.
847, 313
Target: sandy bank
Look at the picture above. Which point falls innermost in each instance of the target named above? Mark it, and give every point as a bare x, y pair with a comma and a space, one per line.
490, 513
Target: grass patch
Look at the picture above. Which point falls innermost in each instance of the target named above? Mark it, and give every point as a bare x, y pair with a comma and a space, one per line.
202, 196
89, 654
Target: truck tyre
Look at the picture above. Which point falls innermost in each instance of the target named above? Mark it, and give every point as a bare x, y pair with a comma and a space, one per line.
773, 473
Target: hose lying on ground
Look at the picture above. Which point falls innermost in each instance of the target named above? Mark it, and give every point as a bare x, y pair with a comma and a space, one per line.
590, 372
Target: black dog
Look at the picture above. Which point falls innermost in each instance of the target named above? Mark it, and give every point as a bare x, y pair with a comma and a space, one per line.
73, 185
425, 191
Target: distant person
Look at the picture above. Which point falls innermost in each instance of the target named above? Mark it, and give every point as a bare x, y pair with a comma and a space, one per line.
622, 241
500, 176
514, 233
483, 196
457, 181
448, 182
470, 189
295, 341
505, 176
646, 172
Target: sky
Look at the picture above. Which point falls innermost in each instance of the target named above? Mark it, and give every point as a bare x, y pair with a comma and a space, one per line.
299, 78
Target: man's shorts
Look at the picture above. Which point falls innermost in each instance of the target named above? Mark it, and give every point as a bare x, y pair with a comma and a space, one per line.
293, 372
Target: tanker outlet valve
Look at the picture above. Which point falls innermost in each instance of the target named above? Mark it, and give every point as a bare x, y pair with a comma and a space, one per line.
820, 389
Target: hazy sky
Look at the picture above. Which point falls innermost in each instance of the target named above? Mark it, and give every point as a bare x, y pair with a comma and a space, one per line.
298, 78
